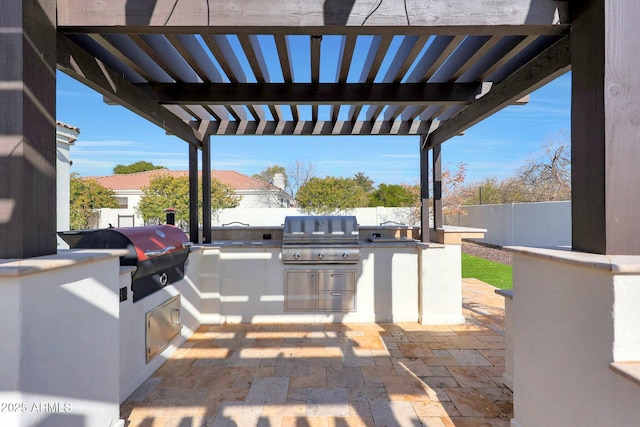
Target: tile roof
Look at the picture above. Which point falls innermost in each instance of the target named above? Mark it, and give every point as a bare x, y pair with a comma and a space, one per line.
140, 180
70, 127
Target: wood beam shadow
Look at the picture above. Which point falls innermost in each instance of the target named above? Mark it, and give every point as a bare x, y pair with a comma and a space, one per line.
336, 12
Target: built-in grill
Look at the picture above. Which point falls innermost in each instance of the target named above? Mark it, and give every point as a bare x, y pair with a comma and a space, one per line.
320, 240
158, 253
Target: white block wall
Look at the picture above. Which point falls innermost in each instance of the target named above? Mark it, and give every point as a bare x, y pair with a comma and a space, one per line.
545, 224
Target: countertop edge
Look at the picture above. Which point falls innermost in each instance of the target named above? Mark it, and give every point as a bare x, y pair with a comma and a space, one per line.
617, 264
63, 259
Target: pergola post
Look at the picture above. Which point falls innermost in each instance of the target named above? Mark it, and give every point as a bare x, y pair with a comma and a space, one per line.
424, 188
206, 189
193, 194
27, 128
437, 187
605, 127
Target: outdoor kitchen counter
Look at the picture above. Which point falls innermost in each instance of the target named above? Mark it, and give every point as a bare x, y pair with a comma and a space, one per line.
62, 260
245, 244
244, 281
382, 242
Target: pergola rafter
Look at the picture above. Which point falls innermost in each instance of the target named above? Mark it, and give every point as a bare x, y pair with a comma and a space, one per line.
394, 64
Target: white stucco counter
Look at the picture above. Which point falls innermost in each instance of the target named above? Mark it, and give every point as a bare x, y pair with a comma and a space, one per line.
246, 282
398, 278
59, 328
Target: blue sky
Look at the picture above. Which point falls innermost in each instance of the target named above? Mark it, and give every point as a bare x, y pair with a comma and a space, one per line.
111, 135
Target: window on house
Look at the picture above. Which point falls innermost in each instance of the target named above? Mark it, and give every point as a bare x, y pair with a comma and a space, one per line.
123, 202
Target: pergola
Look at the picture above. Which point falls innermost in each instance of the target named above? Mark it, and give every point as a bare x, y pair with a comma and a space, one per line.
434, 68
431, 68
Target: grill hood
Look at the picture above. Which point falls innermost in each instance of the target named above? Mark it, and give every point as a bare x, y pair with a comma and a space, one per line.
158, 253
320, 229
320, 240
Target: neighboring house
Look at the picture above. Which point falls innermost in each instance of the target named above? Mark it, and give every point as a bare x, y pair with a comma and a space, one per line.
128, 189
66, 135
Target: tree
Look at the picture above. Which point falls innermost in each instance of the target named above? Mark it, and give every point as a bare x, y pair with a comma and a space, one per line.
276, 176
270, 173
139, 166
87, 196
393, 195
488, 191
453, 190
365, 182
548, 176
331, 195
298, 175
173, 192
544, 177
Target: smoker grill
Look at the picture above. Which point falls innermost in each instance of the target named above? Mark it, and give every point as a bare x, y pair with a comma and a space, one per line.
158, 253
320, 240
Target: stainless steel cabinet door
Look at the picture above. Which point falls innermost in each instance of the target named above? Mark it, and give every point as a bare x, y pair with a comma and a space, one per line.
300, 290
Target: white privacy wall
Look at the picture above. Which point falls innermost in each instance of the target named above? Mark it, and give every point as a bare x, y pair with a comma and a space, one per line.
275, 216
258, 217
520, 224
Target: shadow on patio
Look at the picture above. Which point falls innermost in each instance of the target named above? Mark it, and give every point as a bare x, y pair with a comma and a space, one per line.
305, 375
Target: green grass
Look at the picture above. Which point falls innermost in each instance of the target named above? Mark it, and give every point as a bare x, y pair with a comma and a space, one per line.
494, 273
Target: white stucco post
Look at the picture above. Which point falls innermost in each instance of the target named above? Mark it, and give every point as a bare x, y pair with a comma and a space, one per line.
440, 301
575, 334
60, 339
441, 275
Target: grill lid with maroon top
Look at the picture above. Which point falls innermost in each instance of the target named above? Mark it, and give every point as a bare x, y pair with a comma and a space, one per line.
158, 253
320, 240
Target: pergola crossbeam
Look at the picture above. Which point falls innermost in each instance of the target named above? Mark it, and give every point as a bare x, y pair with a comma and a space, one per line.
312, 93
220, 15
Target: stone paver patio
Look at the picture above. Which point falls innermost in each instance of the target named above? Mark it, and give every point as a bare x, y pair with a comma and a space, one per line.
308, 375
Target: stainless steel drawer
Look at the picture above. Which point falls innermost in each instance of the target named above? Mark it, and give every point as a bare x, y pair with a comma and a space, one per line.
337, 280
337, 300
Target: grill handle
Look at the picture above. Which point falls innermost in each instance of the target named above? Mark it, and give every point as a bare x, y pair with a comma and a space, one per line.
154, 254
186, 245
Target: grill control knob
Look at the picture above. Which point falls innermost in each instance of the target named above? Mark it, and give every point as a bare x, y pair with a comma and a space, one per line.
296, 256
345, 255
321, 255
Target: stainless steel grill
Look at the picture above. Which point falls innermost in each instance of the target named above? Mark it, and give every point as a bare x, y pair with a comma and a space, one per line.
320, 240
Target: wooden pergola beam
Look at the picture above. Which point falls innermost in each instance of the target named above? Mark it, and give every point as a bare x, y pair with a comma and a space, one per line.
312, 93
444, 16
553, 62
77, 63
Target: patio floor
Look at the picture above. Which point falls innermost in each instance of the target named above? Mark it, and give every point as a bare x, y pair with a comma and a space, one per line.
308, 375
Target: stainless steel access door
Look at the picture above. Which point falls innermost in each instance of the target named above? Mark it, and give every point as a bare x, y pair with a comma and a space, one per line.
163, 326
